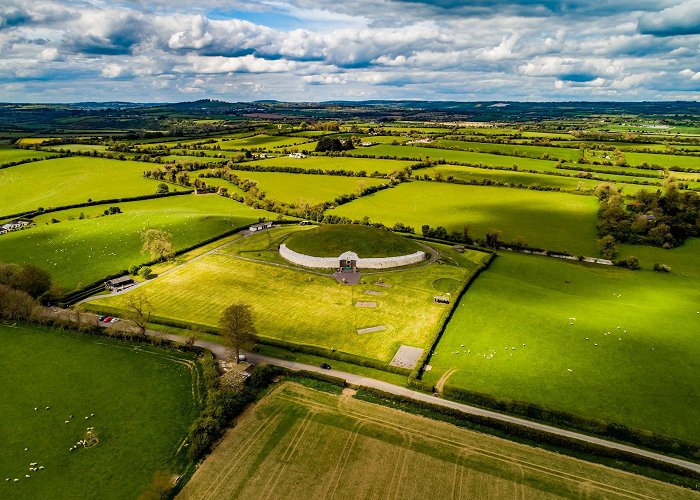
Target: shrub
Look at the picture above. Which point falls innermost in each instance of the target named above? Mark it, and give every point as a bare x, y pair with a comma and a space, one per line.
145, 272
661, 268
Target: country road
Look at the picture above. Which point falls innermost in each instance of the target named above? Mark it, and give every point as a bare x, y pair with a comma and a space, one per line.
219, 352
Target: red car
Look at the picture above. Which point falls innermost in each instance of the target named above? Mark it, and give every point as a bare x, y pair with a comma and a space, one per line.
107, 319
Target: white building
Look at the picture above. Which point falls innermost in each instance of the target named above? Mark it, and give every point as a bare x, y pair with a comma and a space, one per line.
260, 226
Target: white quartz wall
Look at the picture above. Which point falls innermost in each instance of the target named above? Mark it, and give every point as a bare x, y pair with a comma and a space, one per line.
332, 262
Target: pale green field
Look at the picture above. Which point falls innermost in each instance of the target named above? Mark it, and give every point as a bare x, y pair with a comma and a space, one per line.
80, 148
64, 181
628, 356
368, 165
303, 443
9, 154
310, 188
77, 252
550, 220
319, 312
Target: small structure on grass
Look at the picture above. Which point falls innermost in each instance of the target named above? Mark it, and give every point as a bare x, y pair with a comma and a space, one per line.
441, 299
119, 283
260, 226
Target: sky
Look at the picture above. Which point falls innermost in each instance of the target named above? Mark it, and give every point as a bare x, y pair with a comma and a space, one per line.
317, 50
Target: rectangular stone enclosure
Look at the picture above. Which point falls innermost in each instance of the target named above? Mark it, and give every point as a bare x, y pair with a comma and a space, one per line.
407, 357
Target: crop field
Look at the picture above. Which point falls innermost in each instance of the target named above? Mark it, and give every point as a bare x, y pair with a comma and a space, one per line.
80, 251
598, 342
368, 165
421, 153
64, 181
139, 400
9, 154
79, 148
306, 188
555, 221
295, 305
303, 443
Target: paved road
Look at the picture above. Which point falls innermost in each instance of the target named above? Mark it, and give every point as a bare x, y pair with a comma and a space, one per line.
220, 352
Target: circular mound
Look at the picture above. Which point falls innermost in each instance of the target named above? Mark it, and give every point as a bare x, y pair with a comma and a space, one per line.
445, 285
330, 240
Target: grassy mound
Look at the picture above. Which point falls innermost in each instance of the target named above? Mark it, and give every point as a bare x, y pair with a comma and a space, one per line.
333, 239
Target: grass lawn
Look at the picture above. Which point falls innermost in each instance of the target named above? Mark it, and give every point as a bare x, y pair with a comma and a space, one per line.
368, 165
302, 443
515, 321
79, 252
310, 188
143, 400
330, 240
555, 221
683, 260
9, 154
64, 181
304, 308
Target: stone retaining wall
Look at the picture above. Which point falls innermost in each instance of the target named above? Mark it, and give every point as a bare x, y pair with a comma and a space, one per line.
332, 262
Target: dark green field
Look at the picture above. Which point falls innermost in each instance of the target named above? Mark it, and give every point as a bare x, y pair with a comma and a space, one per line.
143, 401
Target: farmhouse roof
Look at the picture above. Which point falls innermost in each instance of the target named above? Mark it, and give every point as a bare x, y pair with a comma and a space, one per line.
120, 280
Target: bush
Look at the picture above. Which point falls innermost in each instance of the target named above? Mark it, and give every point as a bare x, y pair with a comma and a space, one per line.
145, 272
630, 262
661, 268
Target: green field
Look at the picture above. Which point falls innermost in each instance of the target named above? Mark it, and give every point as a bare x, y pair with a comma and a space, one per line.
331, 240
368, 165
511, 336
298, 306
306, 188
555, 221
64, 181
143, 401
422, 153
77, 252
266, 142
302, 443
10, 154
565, 154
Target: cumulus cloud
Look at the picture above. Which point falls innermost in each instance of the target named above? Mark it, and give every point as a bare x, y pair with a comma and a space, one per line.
323, 49
682, 19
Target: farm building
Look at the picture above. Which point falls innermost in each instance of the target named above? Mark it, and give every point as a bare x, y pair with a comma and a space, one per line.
119, 283
260, 226
297, 155
14, 225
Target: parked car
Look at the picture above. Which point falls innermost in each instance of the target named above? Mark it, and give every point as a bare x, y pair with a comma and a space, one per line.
241, 357
325, 366
107, 319
102, 317
114, 320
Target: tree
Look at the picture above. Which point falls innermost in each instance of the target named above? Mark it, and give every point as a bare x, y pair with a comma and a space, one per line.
139, 310
237, 328
607, 245
158, 243
492, 238
162, 188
